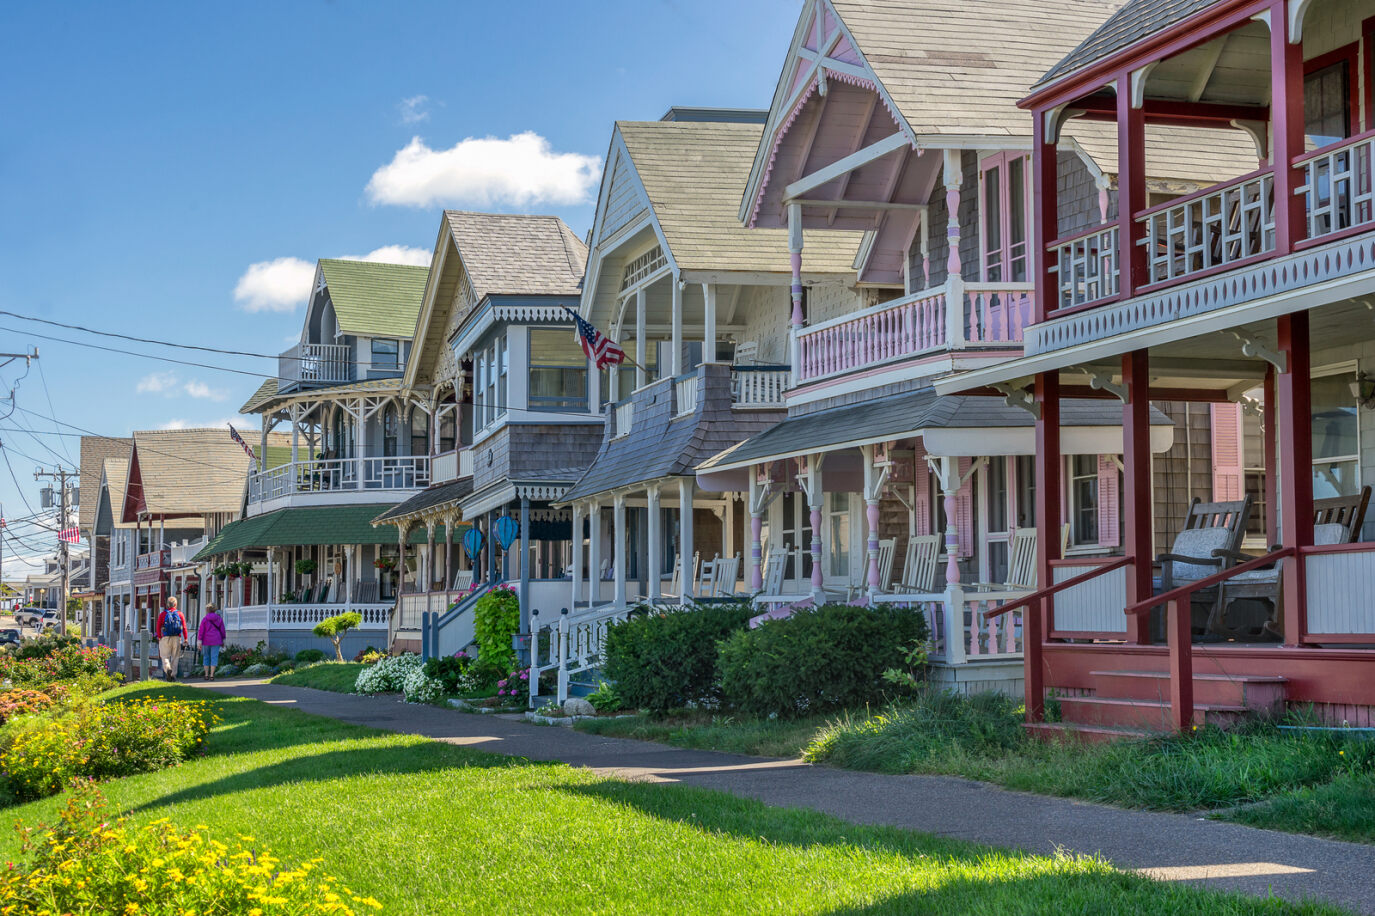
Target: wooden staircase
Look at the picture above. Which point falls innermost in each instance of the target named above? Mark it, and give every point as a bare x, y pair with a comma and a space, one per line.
1127, 704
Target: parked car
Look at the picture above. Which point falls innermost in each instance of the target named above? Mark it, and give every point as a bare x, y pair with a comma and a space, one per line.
10, 636
51, 620
28, 616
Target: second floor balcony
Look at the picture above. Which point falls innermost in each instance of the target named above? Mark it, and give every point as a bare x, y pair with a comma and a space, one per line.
956, 316
308, 364
333, 481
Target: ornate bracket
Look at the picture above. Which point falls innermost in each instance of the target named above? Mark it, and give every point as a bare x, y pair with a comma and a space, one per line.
1100, 381
1018, 397
1257, 350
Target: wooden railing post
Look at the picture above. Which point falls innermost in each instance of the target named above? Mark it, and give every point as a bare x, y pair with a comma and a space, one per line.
1180, 625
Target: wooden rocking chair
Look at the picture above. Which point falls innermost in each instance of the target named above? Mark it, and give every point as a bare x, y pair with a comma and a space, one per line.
919, 567
1209, 543
1021, 565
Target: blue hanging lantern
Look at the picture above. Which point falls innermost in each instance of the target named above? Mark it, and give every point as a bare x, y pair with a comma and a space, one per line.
507, 529
472, 543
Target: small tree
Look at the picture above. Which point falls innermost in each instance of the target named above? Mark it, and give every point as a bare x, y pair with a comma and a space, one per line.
334, 628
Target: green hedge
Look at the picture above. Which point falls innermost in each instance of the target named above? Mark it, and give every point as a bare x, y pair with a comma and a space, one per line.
831, 657
665, 660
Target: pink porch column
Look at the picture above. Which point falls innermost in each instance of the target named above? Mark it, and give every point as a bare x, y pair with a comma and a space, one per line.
795, 256
871, 514
756, 550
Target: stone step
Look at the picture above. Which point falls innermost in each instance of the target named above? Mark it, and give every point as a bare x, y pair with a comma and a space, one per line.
1254, 692
1092, 734
1150, 715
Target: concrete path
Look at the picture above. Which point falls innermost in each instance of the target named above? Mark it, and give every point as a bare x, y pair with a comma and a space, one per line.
1171, 847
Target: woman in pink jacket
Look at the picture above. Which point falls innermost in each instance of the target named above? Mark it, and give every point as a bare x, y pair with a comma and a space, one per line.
211, 637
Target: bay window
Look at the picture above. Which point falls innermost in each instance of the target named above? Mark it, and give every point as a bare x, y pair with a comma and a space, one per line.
558, 371
489, 382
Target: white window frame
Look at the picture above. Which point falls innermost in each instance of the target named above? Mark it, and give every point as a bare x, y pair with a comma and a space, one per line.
1076, 538
1350, 367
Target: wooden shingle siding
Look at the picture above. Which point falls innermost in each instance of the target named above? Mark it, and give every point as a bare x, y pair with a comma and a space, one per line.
939, 215
1077, 196
624, 201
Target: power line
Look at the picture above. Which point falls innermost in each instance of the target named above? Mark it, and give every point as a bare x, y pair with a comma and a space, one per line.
163, 359
153, 340
43, 377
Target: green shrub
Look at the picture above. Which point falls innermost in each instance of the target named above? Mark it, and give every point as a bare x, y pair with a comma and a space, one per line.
103, 740
334, 628
454, 672
605, 698
305, 656
91, 862
496, 618
258, 670
667, 659
229, 670
49, 661
819, 659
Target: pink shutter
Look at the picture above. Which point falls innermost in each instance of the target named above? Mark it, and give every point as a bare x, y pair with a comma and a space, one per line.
1228, 480
1109, 530
921, 489
964, 511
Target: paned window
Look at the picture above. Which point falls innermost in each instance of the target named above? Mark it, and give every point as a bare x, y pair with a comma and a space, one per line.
838, 533
1005, 228
1336, 436
1083, 499
558, 371
489, 383
420, 433
386, 354
1327, 104
391, 431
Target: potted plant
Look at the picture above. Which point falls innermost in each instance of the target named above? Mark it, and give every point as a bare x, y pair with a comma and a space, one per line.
386, 564
232, 570
306, 567
221, 572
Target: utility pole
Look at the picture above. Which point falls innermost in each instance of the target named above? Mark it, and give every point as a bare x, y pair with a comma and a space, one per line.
62, 476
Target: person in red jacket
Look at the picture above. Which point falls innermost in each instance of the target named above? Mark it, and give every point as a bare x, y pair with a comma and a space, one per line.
170, 630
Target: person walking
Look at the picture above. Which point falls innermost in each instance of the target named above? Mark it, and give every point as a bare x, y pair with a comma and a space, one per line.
211, 635
170, 630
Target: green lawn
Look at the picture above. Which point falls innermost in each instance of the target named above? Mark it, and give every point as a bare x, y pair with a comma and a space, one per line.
338, 677
1316, 783
428, 827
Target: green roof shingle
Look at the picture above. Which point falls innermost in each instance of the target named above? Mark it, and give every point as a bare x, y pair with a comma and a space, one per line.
374, 299
312, 525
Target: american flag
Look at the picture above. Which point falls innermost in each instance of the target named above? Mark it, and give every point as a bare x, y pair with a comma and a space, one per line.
602, 350
70, 535
234, 434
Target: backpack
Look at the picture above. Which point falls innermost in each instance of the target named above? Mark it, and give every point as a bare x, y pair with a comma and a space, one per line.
171, 623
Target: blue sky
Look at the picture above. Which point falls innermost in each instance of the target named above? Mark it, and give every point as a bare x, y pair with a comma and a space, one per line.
151, 154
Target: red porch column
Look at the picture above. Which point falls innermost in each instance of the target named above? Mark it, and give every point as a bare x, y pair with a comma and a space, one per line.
1045, 224
1286, 123
1036, 621
1136, 485
1296, 480
1131, 186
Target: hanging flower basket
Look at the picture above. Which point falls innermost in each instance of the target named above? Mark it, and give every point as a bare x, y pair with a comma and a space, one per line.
220, 572
384, 563
306, 567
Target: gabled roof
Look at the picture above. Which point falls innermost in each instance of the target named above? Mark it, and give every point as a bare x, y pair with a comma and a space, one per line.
95, 451
374, 299
186, 472
693, 173
116, 475
265, 393
515, 254
1133, 22
961, 66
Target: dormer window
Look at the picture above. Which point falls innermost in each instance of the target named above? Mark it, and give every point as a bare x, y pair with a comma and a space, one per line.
386, 354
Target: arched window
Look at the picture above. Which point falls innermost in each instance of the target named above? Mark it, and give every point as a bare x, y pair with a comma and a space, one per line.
447, 429
420, 432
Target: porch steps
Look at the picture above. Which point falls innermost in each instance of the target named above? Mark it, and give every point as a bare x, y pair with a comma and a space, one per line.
1128, 704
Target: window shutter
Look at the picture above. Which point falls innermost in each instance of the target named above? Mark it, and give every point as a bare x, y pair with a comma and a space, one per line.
921, 489
1228, 480
1108, 503
964, 511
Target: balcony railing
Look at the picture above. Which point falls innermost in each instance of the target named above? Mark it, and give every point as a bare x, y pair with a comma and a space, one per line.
955, 316
334, 475
1086, 267
1210, 229
1338, 186
155, 559
182, 553
315, 364
758, 386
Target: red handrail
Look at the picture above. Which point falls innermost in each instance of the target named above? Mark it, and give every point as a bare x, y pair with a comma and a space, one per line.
1058, 587
1187, 589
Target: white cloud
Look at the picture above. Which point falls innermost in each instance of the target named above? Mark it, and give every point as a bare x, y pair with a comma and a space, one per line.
157, 383
413, 109
394, 254
241, 423
202, 391
519, 171
278, 285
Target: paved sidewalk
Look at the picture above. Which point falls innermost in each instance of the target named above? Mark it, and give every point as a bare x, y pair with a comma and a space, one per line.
1169, 846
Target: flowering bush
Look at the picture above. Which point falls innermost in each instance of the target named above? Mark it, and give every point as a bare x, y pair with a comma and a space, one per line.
388, 675
369, 656
496, 618
455, 672
20, 701
87, 863
102, 740
514, 686
48, 661
419, 687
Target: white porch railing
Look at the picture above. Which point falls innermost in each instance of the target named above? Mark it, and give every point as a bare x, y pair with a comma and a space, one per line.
1086, 267
1340, 581
685, 393
444, 467
625, 416
954, 316
569, 645
305, 616
316, 364
1338, 187
182, 553
959, 632
465, 463
758, 387
408, 472
1210, 229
